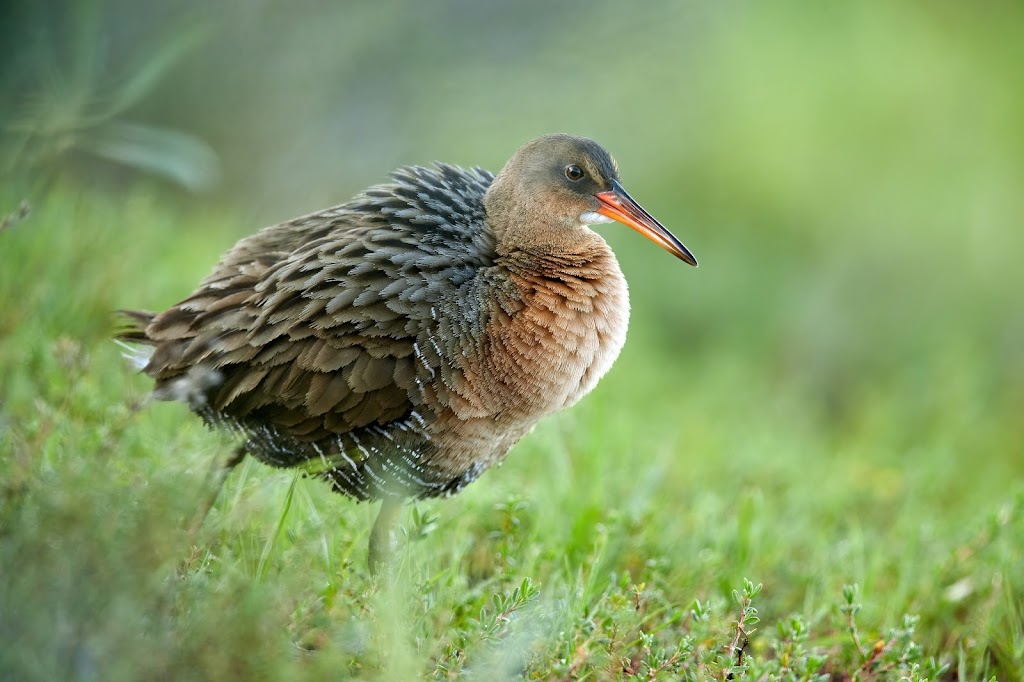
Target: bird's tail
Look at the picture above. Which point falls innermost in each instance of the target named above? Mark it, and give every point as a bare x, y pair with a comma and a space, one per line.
132, 332
134, 326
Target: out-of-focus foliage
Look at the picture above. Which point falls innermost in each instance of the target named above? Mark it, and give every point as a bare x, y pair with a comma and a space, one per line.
66, 100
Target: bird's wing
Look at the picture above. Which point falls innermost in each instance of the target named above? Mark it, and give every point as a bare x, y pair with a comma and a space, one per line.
330, 322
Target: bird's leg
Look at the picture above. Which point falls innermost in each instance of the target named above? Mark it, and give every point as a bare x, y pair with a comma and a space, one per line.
220, 475
382, 537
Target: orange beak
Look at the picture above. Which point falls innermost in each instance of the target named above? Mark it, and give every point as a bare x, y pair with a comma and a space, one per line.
618, 205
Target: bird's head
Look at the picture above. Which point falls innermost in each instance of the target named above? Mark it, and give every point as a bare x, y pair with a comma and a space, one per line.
558, 184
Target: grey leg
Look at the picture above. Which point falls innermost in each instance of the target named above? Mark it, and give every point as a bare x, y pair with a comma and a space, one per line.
382, 538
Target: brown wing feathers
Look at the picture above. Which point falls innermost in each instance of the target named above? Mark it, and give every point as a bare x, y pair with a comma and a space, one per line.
314, 326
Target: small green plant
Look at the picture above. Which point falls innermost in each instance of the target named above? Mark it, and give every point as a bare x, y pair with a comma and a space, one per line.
655, 659
513, 517
849, 608
422, 523
493, 621
898, 652
744, 626
795, 662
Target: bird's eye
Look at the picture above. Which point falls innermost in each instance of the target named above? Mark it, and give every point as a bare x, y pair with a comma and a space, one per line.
573, 172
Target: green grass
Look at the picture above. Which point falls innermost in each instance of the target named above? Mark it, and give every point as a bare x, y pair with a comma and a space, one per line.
869, 484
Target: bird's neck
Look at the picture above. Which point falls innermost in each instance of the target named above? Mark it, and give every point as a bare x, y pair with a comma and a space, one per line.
588, 258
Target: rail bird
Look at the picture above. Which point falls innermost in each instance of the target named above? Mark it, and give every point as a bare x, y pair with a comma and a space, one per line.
401, 343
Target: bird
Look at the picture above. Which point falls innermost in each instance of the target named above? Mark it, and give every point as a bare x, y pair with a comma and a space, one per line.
399, 344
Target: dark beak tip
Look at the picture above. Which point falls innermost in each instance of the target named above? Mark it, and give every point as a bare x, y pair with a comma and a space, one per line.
620, 206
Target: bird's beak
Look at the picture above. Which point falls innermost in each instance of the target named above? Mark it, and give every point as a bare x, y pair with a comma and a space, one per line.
618, 205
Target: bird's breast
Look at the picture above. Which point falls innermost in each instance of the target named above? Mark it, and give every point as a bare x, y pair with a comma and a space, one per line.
552, 347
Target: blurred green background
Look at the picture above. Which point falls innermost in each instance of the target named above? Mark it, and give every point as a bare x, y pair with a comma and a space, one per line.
848, 361
849, 174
